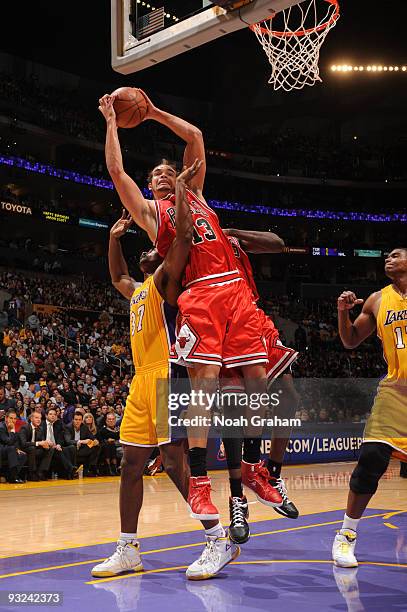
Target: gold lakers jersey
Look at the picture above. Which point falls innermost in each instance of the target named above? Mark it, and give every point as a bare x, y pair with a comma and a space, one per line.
392, 330
152, 325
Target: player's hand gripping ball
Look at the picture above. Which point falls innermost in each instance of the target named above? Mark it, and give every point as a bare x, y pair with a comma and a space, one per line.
130, 106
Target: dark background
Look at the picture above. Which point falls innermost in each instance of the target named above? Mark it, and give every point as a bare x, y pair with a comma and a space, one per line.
75, 36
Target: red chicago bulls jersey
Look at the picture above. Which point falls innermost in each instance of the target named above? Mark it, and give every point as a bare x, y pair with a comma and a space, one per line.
244, 266
211, 256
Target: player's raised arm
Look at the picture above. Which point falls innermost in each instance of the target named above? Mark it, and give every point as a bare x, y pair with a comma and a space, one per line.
119, 272
195, 148
257, 242
168, 277
141, 210
352, 334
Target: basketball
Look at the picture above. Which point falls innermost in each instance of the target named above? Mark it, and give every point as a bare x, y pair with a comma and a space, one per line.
130, 106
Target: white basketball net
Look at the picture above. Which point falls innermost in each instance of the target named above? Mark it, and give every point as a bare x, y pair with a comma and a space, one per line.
293, 49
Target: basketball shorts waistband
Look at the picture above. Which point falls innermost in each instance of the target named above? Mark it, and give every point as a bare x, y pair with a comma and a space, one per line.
219, 279
152, 367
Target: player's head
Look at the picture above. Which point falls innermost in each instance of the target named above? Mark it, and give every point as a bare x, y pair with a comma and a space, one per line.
149, 261
396, 262
161, 179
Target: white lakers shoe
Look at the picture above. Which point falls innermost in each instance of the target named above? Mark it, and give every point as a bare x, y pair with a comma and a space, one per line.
217, 553
343, 548
126, 558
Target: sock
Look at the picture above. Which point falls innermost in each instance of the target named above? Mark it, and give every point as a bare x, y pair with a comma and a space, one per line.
251, 450
129, 538
236, 487
197, 461
274, 468
217, 531
350, 523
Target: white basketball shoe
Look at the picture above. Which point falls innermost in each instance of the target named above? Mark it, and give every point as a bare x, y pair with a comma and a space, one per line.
217, 553
126, 558
343, 548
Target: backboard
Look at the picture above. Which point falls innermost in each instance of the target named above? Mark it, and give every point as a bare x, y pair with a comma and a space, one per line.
180, 26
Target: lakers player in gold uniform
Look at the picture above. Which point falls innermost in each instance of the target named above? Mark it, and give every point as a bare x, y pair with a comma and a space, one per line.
386, 429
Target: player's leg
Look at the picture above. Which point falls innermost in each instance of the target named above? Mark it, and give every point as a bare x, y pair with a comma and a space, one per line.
127, 556
239, 530
285, 409
373, 462
244, 348
233, 394
255, 475
204, 384
217, 552
201, 327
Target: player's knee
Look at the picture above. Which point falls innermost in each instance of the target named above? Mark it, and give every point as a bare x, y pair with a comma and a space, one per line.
372, 464
255, 371
132, 465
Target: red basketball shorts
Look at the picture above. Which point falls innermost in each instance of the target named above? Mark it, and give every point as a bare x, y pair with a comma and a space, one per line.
280, 357
218, 324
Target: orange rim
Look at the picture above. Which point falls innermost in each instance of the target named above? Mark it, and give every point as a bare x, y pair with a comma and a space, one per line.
319, 28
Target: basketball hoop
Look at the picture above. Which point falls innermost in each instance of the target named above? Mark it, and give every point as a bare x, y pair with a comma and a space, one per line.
293, 49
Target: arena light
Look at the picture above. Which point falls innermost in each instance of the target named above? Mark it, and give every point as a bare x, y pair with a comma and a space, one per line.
376, 68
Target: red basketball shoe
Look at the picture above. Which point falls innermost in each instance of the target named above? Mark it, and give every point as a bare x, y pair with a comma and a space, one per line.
199, 499
256, 477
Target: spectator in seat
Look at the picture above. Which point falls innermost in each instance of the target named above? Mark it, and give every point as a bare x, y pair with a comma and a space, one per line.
63, 459
83, 397
89, 420
93, 406
68, 415
87, 453
13, 372
23, 388
10, 449
39, 451
101, 420
6, 404
21, 418
89, 387
109, 436
33, 321
68, 393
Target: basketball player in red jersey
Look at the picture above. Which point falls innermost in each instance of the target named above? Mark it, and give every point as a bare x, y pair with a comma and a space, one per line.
216, 298
280, 359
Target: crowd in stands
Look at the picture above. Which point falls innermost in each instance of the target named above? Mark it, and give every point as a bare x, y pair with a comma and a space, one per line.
63, 292
264, 151
55, 369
